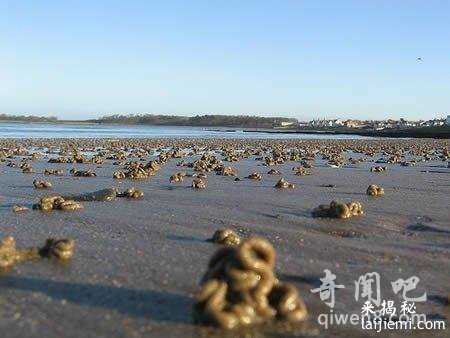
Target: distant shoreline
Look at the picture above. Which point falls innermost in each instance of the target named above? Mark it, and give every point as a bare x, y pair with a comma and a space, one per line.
436, 133
425, 132
49, 122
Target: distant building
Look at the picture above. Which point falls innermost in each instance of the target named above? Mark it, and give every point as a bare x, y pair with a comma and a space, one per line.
351, 123
287, 124
284, 124
447, 122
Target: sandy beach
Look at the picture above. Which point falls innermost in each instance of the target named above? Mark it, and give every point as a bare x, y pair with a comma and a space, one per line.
138, 263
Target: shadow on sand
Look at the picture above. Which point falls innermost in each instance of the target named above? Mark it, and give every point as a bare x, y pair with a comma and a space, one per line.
311, 280
9, 206
185, 238
160, 306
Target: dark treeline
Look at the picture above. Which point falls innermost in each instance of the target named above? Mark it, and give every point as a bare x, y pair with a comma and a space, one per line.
441, 132
29, 118
203, 120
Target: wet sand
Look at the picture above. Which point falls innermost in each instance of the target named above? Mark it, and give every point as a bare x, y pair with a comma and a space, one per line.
138, 263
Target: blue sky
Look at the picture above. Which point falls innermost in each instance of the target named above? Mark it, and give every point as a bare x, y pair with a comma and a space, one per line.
306, 59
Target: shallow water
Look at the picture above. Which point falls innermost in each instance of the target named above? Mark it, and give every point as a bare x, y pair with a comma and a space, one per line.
47, 130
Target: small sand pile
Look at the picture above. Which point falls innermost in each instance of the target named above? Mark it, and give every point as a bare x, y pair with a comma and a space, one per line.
198, 183
283, 184
227, 171
55, 172
378, 169
200, 175
226, 237
42, 184
56, 202
240, 288
131, 193
19, 208
375, 190
301, 171
139, 173
273, 172
255, 176
83, 173
137, 170
59, 248
177, 177
26, 168
59, 160
206, 163
119, 175
338, 210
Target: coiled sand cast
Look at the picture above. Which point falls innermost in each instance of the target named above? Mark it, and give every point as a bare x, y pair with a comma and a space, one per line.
375, 190
226, 237
338, 210
240, 288
59, 248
